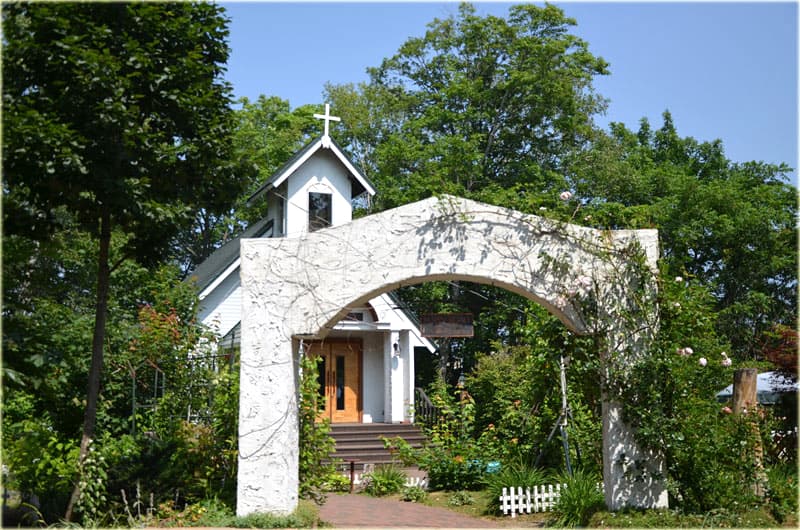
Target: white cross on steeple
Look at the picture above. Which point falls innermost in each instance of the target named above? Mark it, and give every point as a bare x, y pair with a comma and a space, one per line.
326, 139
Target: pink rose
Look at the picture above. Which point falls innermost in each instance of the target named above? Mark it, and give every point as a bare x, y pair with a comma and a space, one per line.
726, 410
703, 361
565, 195
561, 302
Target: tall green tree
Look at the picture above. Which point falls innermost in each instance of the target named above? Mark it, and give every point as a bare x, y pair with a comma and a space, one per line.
729, 226
477, 102
118, 114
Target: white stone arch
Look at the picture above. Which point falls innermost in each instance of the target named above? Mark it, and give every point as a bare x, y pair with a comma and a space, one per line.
298, 288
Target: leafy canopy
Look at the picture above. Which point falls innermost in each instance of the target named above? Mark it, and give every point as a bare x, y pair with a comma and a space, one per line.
117, 108
476, 102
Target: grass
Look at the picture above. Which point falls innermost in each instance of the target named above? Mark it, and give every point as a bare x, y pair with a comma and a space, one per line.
306, 516
214, 514
719, 518
480, 508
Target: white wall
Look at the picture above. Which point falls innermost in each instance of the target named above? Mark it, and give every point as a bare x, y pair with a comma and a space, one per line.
416, 241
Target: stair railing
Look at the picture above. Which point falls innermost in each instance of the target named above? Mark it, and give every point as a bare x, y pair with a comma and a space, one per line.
425, 412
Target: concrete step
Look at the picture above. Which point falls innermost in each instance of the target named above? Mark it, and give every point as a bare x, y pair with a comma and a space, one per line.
373, 437
363, 443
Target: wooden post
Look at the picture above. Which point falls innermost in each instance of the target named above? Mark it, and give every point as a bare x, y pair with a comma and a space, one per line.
745, 383
745, 401
352, 476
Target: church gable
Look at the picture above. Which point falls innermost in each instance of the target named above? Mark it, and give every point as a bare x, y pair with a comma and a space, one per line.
359, 183
318, 194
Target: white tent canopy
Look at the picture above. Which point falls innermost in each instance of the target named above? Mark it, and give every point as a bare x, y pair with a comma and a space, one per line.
769, 388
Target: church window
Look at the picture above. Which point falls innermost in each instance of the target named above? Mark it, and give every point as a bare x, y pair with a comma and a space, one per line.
339, 382
319, 210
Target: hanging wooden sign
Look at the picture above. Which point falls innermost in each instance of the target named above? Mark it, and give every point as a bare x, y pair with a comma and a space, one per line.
447, 325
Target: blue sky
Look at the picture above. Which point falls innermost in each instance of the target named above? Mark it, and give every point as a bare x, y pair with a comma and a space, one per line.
724, 70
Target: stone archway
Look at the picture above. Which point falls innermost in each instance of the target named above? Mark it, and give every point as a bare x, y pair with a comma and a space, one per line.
297, 288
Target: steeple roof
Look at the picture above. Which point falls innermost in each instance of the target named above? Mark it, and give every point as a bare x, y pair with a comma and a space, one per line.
361, 183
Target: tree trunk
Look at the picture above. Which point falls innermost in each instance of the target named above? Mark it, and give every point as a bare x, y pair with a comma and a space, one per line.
444, 358
96, 369
745, 401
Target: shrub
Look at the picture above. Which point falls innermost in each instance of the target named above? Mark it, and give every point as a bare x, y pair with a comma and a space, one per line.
782, 491
461, 498
37, 460
669, 401
579, 500
305, 516
384, 480
337, 483
213, 513
316, 467
718, 518
414, 494
448, 472
514, 405
208, 512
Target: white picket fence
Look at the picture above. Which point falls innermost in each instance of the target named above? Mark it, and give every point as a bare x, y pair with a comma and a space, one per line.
530, 500
422, 482
539, 499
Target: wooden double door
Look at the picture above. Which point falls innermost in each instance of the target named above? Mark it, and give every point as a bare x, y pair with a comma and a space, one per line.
339, 376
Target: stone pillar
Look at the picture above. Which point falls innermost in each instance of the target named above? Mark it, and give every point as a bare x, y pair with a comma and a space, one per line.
632, 477
268, 478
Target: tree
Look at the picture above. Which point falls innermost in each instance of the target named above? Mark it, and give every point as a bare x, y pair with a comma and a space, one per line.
117, 114
729, 226
477, 103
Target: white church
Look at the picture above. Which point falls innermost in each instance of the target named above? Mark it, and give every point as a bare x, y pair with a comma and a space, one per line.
364, 373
